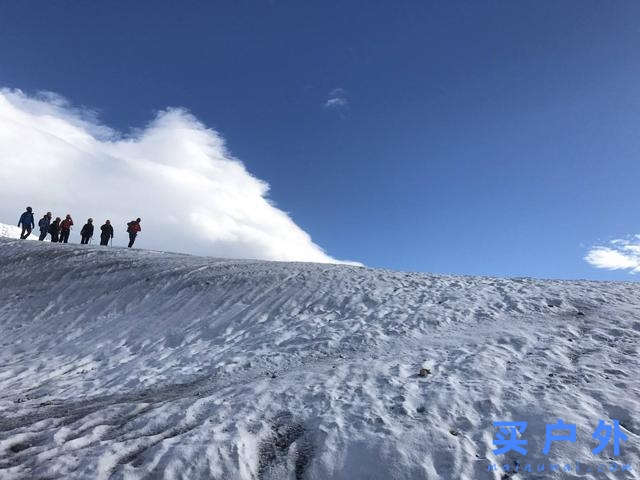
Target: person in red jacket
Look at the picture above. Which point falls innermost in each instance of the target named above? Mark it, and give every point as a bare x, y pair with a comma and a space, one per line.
132, 229
65, 229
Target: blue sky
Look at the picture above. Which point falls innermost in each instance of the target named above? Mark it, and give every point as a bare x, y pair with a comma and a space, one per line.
494, 138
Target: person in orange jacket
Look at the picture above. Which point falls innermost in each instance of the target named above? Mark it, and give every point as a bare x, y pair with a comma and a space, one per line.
133, 228
65, 229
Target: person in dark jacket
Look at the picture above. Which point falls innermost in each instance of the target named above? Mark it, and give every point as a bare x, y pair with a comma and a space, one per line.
44, 226
132, 229
27, 222
87, 232
54, 229
65, 229
107, 233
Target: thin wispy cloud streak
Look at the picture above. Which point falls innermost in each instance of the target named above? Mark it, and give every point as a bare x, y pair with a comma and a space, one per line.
335, 103
337, 100
192, 194
619, 254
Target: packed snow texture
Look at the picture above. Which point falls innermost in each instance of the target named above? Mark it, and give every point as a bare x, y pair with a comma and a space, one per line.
133, 364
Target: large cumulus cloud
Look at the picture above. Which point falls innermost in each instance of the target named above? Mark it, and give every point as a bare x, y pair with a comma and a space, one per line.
176, 174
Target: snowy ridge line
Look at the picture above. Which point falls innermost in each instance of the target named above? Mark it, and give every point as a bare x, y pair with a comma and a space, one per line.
118, 363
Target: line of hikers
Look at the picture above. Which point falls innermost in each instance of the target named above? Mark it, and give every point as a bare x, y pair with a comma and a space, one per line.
60, 229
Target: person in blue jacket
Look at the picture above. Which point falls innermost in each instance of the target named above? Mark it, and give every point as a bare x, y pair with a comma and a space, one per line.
44, 224
27, 222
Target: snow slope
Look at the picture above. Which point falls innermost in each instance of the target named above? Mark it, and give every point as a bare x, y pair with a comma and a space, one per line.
133, 364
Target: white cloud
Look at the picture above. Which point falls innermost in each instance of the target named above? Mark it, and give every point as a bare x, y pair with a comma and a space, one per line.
622, 254
11, 231
335, 103
176, 174
337, 99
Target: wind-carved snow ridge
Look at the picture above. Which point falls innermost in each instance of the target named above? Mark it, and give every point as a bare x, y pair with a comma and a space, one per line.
136, 364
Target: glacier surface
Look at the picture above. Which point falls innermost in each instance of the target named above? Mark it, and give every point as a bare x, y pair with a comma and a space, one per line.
136, 364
